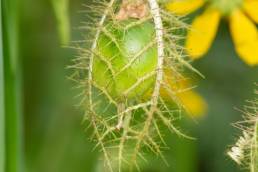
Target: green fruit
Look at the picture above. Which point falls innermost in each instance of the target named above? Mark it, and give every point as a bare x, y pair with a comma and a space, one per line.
115, 49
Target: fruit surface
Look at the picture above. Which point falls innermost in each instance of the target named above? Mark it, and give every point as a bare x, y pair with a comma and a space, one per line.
113, 66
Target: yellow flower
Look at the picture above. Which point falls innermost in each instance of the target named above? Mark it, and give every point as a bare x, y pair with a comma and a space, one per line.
241, 15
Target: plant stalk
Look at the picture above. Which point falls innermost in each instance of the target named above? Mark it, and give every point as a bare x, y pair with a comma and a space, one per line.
2, 106
12, 86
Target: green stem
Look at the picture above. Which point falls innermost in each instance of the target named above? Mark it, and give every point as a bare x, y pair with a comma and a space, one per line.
2, 118
12, 85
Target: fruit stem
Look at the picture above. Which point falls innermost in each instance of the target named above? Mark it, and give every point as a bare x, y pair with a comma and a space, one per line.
120, 109
126, 125
155, 11
93, 47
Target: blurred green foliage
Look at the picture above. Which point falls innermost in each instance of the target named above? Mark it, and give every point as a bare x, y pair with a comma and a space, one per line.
54, 137
61, 10
12, 86
2, 113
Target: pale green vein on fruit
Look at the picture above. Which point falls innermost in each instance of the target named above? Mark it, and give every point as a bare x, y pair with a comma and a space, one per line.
61, 10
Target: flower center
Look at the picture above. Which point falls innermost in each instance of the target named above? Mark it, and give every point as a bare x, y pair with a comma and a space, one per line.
226, 6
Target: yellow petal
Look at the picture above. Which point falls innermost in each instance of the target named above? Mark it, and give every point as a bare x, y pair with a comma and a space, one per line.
242, 29
251, 8
177, 89
249, 52
202, 33
182, 7
245, 37
194, 103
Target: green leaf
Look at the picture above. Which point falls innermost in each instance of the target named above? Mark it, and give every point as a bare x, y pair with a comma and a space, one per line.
61, 9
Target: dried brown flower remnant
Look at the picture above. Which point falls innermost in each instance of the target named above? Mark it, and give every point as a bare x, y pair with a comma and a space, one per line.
129, 9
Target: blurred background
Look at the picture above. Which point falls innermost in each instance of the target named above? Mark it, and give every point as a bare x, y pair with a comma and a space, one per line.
53, 134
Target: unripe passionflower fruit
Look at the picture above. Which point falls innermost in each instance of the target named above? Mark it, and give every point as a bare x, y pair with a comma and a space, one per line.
124, 57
